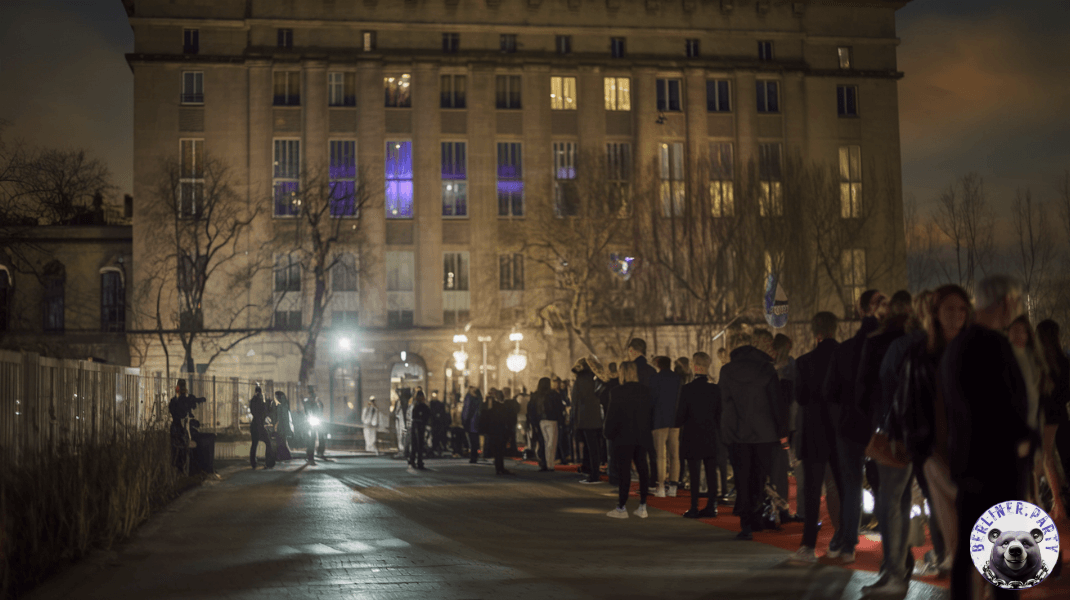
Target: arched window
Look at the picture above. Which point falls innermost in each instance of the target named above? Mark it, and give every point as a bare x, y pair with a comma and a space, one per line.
6, 289
55, 281
112, 300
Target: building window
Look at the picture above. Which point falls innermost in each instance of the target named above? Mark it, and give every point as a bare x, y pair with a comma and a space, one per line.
508, 42
691, 47
191, 41
847, 100
770, 192
844, 54
191, 279
192, 87
343, 177
619, 178
6, 289
854, 274
400, 294
399, 180
345, 319
287, 88
850, 182
368, 40
342, 89
190, 178
287, 320
344, 273
717, 96
455, 295
508, 91
768, 96
618, 93
668, 95
510, 180
286, 177
511, 272
287, 273
672, 179
453, 91
616, 47
398, 91
566, 196
451, 43
54, 300
112, 302
564, 44
454, 180
765, 50
286, 38
563, 93
722, 176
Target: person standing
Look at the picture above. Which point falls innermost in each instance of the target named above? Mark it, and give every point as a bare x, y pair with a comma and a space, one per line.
780, 349
421, 415
987, 441
258, 429
370, 420
440, 423
698, 419
535, 415
314, 419
751, 425
815, 447
470, 416
637, 354
851, 429
665, 389
628, 428
512, 411
588, 417
610, 379
458, 436
497, 429
284, 426
552, 412
1053, 405
181, 409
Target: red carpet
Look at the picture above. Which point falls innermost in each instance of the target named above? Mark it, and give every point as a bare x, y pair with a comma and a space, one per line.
868, 553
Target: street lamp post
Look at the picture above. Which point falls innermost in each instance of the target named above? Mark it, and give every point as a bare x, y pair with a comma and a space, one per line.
484, 339
460, 357
516, 361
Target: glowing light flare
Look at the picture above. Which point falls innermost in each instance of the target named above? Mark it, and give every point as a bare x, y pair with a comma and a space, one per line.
516, 362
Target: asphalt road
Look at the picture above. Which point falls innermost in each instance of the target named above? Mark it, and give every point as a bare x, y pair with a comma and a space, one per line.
366, 528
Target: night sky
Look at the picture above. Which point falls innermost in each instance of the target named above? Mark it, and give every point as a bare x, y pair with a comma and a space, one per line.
987, 88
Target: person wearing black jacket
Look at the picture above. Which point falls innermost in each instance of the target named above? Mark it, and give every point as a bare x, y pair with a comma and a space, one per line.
815, 447
852, 430
314, 410
497, 422
628, 427
258, 429
588, 415
535, 414
698, 416
1053, 404
421, 415
752, 423
610, 380
553, 412
637, 354
470, 417
440, 424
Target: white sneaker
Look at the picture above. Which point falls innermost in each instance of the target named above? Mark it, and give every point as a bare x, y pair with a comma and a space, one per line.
659, 491
618, 513
805, 554
671, 492
893, 588
641, 511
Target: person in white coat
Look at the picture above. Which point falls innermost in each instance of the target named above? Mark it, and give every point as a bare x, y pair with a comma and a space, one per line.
370, 420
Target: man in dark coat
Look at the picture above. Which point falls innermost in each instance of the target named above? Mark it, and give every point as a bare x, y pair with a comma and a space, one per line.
588, 413
815, 448
534, 415
440, 424
259, 431
498, 421
989, 438
314, 421
421, 416
852, 431
751, 425
637, 354
698, 417
512, 411
665, 389
611, 381
553, 412
628, 427
470, 417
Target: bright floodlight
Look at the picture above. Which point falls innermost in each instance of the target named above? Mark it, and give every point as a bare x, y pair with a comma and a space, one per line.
516, 337
460, 357
460, 339
345, 344
314, 421
516, 362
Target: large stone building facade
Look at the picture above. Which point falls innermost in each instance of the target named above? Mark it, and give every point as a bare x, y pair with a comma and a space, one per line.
469, 116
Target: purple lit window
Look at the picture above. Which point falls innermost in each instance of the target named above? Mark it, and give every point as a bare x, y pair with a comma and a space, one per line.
343, 178
399, 180
286, 177
510, 181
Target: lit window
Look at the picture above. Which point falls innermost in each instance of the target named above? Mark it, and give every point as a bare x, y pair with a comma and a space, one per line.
850, 182
770, 192
343, 178
691, 48
510, 180
454, 180
398, 91
342, 89
286, 177
672, 179
722, 175
566, 196
511, 272
190, 178
286, 38
768, 96
854, 274
400, 294
616, 47
669, 95
287, 88
844, 55
765, 50
192, 87
619, 178
618, 93
451, 43
455, 296
564, 44
717, 96
508, 42
399, 180
507, 91
191, 41
368, 41
563, 93
847, 101
453, 91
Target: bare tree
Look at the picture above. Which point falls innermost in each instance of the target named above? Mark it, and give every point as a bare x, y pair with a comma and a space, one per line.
1035, 249
325, 241
967, 223
922, 245
196, 223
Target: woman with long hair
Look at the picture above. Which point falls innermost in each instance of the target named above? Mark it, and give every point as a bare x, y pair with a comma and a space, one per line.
628, 427
1053, 408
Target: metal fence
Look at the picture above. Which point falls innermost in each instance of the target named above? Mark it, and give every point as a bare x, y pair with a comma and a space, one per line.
48, 403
